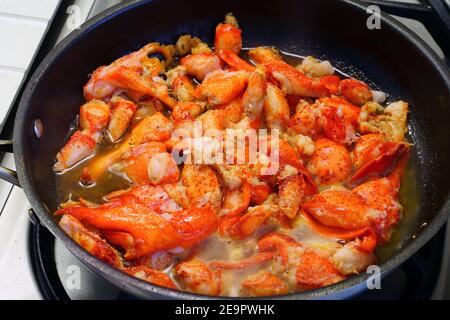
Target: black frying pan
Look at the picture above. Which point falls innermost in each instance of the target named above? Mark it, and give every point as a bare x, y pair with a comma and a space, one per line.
393, 58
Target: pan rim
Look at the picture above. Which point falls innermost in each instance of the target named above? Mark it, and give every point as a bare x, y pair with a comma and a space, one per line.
122, 279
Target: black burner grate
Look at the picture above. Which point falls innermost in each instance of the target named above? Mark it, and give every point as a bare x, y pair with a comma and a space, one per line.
415, 279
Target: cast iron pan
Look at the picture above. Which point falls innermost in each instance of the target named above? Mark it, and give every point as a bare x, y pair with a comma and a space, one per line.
393, 58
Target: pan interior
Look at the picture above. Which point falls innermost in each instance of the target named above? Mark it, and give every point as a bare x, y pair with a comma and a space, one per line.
329, 30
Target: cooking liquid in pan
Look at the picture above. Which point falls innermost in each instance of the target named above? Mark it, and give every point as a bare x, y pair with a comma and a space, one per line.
217, 248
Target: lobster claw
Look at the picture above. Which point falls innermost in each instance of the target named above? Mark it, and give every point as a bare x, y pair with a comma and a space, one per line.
382, 165
228, 35
279, 244
150, 275
264, 283
234, 61
367, 235
315, 271
141, 231
194, 224
197, 277
241, 227
151, 231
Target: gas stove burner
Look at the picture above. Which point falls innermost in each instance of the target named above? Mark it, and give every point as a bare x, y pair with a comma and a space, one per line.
53, 265
60, 276
42, 254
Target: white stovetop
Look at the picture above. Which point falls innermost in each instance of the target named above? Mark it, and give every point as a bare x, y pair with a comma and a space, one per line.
22, 24
22, 27
16, 279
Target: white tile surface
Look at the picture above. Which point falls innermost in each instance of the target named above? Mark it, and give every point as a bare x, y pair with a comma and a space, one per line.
20, 39
16, 281
22, 27
9, 83
41, 9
